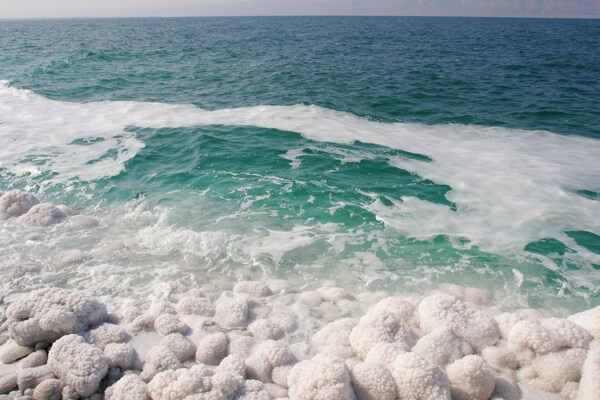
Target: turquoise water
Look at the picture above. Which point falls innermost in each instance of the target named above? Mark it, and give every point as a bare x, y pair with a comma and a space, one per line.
391, 154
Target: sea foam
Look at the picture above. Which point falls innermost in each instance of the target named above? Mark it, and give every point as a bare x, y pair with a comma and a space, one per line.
510, 187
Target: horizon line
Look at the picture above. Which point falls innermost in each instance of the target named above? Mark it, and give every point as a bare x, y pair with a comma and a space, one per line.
300, 15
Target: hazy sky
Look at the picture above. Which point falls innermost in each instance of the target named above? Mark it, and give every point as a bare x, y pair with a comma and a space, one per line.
169, 8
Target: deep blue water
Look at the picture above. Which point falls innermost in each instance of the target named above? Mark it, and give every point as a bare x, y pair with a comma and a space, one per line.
519, 73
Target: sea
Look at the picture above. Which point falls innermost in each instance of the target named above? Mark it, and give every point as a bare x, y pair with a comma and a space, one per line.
395, 154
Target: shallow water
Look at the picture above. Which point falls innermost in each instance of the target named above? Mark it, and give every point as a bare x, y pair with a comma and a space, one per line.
391, 154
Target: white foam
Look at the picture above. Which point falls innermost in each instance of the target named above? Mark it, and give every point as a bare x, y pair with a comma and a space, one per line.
511, 187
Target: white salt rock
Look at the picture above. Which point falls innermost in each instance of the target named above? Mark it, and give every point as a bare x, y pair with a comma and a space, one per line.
335, 294
108, 333
168, 323
552, 371
8, 382
336, 332
15, 203
442, 346
569, 390
196, 306
323, 377
44, 315
279, 375
231, 313
589, 320
43, 214
264, 329
466, 321
70, 257
121, 355
13, 352
259, 368
406, 309
419, 379
35, 359
506, 321
276, 391
528, 338
227, 383
16, 269
129, 387
234, 364
589, 385
268, 355
252, 288
128, 314
212, 348
253, 390
500, 357
286, 320
376, 327
567, 333
159, 359
470, 379
139, 323
50, 389
372, 382
334, 338
275, 353
180, 345
385, 353
242, 346
310, 298
77, 364
29, 378
161, 307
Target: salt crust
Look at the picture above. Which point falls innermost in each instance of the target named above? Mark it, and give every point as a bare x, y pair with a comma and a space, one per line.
43, 214
470, 379
373, 382
257, 348
16, 203
77, 364
45, 315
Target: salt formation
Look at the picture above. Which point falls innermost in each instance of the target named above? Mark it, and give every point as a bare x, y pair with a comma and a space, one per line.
212, 348
470, 379
129, 387
379, 326
249, 344
43, 214
197, 306
589, 386
323, 377
588, 320
373, 382
469, 323
335, 338
45, 315
180, 345
16, 203
419, 379
77, 364
121, 355
159, 359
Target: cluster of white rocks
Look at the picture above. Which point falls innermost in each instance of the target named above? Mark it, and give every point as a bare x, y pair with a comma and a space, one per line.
256, 341
27, 209
259, 342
